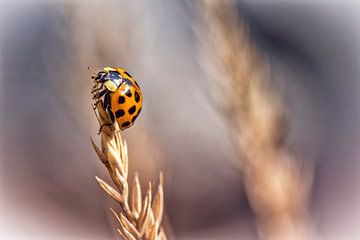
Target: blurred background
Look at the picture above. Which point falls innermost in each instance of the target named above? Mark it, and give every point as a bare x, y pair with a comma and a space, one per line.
47, 164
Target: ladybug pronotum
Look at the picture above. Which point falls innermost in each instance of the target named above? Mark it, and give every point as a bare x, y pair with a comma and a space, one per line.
119, 95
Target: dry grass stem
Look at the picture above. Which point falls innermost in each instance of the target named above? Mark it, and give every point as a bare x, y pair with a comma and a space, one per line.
142, 218
276, 186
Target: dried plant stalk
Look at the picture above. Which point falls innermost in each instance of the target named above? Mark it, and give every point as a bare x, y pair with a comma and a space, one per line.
143, 219
276, 187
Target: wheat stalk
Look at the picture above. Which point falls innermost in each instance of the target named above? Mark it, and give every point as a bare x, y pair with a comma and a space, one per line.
277, 188
142, 218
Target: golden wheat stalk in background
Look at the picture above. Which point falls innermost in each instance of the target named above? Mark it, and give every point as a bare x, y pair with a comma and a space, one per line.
276, 187
142, 219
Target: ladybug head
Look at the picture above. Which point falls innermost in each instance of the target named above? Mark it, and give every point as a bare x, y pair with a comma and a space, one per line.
110, 78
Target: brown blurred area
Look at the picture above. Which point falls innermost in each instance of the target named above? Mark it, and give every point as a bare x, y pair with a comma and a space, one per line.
47, 164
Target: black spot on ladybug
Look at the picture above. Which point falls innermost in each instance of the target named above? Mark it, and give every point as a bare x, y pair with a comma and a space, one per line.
134, 118
128, 93
121, 99
125, 124
137, 96
132, 109
119, 113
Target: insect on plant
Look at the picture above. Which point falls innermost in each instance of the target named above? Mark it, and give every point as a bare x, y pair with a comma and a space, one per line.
119, 94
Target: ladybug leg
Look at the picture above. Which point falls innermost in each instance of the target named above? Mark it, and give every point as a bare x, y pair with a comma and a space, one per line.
104, 103
97, 89
94, 107
99, 95
103, 125
107, 107
94, 73
96, 84
112, 118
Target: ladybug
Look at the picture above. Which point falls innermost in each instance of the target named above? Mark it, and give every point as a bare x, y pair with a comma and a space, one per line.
119, 94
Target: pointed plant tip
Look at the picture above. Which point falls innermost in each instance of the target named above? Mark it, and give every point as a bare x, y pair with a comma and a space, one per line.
120, 233
161, 178
93, 143
99, 180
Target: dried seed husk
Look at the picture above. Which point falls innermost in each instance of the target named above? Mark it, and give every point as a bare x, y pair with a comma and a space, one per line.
158, 203
109, 190
98, 151
129, 226
136, 196
125, 234
162, 235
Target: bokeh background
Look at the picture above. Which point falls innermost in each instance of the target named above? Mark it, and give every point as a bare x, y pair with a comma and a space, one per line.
47, 164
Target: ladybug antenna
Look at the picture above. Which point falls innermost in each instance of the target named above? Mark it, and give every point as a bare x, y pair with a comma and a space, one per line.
91, 69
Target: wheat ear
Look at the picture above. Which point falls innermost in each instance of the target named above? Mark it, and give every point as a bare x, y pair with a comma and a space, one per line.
276, 186
142, 219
